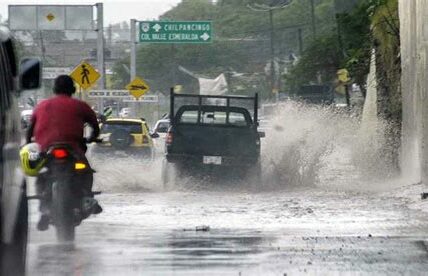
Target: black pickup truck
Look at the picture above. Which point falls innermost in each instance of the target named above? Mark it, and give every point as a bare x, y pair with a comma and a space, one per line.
212, 135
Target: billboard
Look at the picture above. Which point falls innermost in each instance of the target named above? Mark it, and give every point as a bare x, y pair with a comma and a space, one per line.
51, 17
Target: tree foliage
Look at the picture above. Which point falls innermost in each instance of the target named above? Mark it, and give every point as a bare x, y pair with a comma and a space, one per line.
386, 35
241, 41
344, 39
359, 24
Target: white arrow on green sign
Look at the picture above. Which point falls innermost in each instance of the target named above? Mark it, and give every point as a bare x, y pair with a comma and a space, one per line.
175, 31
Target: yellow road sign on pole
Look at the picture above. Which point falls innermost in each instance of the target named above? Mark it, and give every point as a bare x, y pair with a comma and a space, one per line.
85, 75
343, 75
138, 87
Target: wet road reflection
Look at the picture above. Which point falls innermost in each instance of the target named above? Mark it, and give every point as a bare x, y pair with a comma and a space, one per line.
260, 234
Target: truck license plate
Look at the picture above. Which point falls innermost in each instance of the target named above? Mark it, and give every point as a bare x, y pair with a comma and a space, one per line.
216, 160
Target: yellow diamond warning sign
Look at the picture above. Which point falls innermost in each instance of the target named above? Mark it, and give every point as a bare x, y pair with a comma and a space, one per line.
343, 75
137, 88
50, 17
85, 75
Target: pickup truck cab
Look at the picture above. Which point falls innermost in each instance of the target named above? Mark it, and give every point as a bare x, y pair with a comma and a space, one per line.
215, 135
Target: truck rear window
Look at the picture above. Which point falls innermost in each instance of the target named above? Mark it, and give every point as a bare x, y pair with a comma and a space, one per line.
214, 118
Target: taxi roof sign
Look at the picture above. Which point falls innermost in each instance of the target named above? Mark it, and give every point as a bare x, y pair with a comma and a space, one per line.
138, 87
85, 75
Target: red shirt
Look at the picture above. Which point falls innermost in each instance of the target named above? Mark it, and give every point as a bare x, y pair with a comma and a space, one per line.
61, 119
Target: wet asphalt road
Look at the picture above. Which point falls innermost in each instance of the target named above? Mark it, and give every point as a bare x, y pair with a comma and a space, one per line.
300, 231
347, 223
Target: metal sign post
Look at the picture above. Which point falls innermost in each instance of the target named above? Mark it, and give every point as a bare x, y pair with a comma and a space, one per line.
100, 44
133, 55
133, 49
100, 49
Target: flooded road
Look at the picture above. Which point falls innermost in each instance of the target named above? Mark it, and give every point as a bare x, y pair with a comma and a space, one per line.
325, 206
276, 233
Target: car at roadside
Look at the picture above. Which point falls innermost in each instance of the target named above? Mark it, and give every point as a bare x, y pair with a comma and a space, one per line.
314, 94
160, 130
26, 118
13, 191
125, 112
125, 137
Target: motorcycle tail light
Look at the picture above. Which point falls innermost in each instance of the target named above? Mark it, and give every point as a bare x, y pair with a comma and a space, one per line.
59, 153
79, 166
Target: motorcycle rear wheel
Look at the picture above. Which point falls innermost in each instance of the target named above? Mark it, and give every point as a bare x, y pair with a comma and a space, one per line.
62, 211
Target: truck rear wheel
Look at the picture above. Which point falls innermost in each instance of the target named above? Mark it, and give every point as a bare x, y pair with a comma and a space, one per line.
254, 176
168, 174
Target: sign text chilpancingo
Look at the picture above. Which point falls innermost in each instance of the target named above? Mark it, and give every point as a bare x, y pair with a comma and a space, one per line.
175, 31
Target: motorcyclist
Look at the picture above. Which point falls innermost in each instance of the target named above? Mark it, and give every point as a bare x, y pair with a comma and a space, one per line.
61, 119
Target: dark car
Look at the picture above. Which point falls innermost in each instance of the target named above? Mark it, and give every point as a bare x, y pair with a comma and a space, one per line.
315, 94
216, 135
13, 200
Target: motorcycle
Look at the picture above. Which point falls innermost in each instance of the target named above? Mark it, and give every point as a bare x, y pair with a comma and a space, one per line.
67, 201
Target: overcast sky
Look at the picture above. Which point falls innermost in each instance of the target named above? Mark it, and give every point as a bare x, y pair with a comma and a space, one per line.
114, 10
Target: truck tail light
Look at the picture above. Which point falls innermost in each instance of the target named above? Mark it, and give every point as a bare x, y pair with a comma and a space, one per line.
169, 138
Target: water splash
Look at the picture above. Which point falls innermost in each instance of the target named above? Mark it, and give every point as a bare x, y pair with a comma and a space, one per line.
125, 174
299, 139
309, 145
305, 145
372, 156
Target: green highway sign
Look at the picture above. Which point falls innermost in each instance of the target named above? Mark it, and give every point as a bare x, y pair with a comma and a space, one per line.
175, 32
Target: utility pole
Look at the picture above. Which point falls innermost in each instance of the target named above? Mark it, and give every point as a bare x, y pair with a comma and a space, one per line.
274, 89
300, 38
270, 8
174, 65
314, 28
